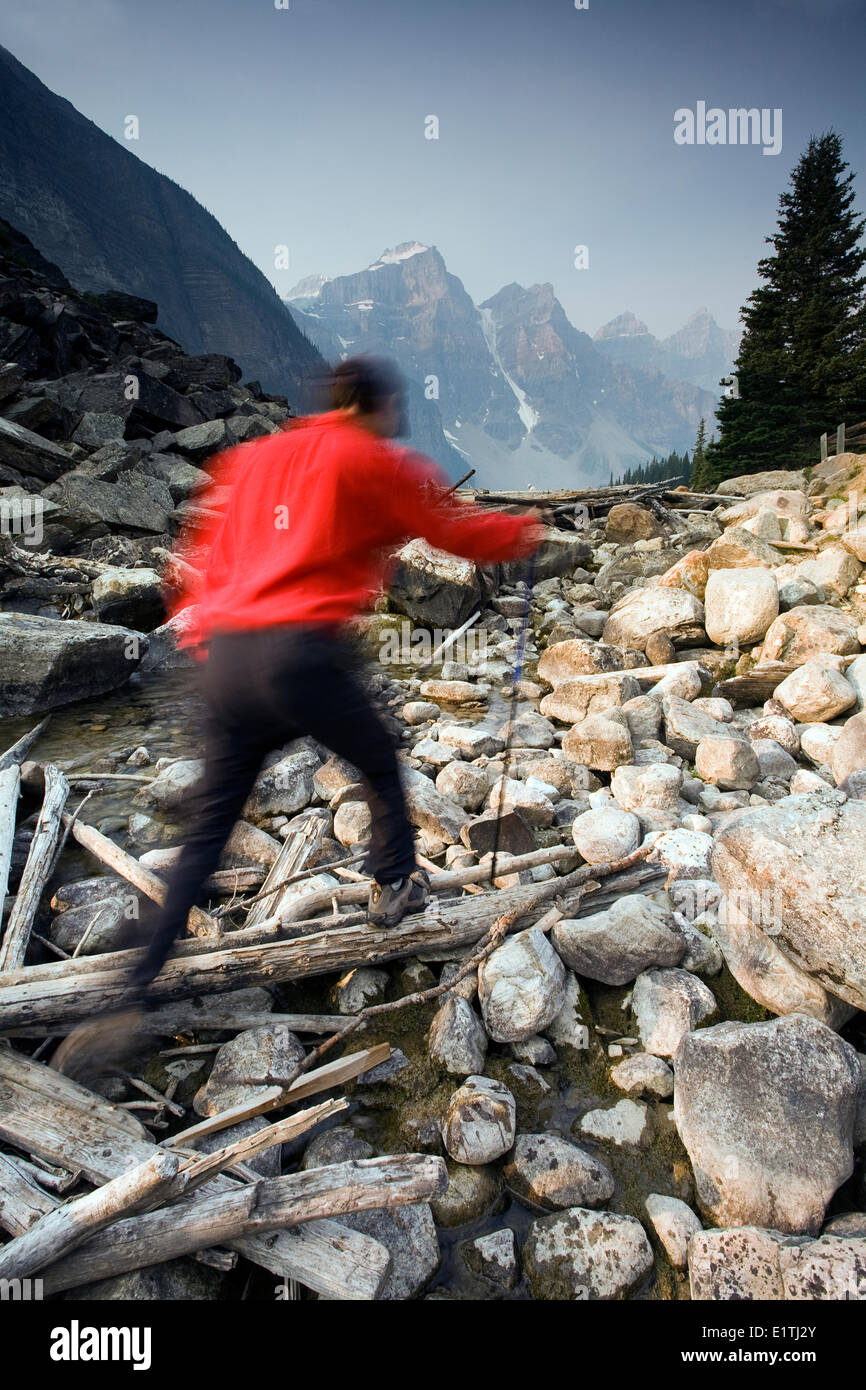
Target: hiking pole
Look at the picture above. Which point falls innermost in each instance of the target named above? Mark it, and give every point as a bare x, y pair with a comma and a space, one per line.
521, 645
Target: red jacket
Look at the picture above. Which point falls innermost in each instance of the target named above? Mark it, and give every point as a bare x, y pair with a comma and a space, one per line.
307, 519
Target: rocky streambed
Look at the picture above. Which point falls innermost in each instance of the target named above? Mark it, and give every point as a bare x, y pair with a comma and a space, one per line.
654, 1090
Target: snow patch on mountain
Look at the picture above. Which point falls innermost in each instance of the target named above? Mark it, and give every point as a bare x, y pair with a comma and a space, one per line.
528, 416
399, 253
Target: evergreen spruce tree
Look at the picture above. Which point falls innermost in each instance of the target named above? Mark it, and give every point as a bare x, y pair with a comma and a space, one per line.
700, 475
801, 367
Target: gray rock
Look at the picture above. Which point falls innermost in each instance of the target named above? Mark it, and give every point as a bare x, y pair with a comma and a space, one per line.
521, 987
766, 1112
581, 1254
643, 1074
667, 1005
49, 662
479, 1123
627, 1124
457, 1041
614, 946
804, 855
675, 1223
271, 1051
554, 1173
433, 587
494, 1256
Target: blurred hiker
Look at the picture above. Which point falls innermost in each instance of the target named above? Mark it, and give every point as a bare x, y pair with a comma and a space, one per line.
300, 546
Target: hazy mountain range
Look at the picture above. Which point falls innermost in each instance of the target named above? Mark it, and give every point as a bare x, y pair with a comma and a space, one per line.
509, 387
513, 387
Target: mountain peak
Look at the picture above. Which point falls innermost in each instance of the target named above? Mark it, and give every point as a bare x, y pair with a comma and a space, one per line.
626, 325
403, 252
308, 288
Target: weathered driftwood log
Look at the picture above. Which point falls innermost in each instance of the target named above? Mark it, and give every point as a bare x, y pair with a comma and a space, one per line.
22, 1201
61, 1230
269, 1205
10, 781
50, 995
17, 752
107, 852
756, 685
36, 871
44, 1113
53, 993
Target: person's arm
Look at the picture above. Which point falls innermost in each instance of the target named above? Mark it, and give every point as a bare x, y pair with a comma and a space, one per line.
417, 498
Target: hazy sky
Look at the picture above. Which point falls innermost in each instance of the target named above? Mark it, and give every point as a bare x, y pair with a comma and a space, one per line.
305, 126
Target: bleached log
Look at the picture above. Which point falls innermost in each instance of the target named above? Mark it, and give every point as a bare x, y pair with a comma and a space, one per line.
47, 1114
52, 994
10, 783
107, 852
40, 858
270, 1205
22, 1201
61, 1230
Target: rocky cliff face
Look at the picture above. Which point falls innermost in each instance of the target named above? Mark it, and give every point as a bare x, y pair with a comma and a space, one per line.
523, 396
112, 223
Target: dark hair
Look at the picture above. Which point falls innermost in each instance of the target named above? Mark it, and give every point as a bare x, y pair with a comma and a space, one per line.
366, 382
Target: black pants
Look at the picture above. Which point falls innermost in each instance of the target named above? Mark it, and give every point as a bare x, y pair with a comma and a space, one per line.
263, 688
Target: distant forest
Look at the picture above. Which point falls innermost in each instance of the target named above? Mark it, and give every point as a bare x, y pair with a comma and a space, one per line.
675, 466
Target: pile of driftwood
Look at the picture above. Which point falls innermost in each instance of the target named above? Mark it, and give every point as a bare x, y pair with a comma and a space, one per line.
572, 508
88, 1190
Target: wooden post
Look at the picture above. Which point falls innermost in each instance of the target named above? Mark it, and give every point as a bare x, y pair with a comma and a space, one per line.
840, 439
823, 446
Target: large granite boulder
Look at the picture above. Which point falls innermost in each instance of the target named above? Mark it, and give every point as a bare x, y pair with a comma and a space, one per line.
48, 662
806, 856
766, 1112
433, 587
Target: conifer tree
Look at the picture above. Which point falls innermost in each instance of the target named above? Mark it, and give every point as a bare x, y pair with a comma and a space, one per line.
801, 367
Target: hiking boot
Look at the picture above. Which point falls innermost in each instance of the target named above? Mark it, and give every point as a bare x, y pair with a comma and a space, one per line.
389, 902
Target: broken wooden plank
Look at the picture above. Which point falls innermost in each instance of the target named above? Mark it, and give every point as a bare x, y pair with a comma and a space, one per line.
61, 1230
269, 1205
757, 685
202, 1168
296, 852
40, 859
322, 1079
